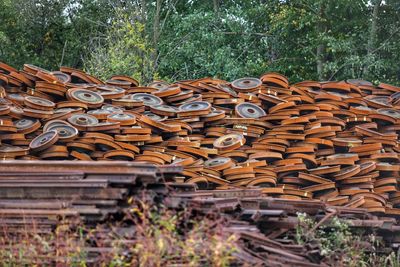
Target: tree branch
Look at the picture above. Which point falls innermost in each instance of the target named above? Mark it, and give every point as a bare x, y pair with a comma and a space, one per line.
63, 53
339, 69
385, 41
246, 33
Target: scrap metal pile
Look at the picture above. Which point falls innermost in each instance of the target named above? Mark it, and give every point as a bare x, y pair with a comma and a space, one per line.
334, 141
42, 192
267, 227
41, 195
251, 142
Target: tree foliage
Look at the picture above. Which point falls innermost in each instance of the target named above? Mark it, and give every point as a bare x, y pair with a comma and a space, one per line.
122, 50
184, 39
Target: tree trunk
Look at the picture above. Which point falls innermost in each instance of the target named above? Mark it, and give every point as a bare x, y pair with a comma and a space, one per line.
142, 56
216, 6
374, 27
156, 25
321, 47
320, 61
156, 34
373, 33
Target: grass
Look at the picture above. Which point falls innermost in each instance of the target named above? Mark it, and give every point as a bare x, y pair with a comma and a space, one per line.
146, 234
340, 245
154, 236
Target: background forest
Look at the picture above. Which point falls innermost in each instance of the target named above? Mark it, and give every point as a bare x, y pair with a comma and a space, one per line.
186, 39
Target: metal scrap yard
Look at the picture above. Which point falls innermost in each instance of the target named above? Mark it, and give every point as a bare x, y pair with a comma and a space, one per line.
253, 152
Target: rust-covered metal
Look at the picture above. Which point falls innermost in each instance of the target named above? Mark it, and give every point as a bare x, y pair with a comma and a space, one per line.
258, 150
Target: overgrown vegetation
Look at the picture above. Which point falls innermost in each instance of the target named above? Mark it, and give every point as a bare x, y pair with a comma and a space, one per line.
155, 237
122, 50
182, 39
342, 246
149, 236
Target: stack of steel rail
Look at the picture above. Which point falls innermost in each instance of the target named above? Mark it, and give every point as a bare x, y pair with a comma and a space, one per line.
43, 192
267, 226
267, 146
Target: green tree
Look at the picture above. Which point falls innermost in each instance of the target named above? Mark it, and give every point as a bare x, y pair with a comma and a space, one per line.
123, 50
182, 39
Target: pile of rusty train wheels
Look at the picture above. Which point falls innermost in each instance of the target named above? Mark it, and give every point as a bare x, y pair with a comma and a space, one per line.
332, 141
